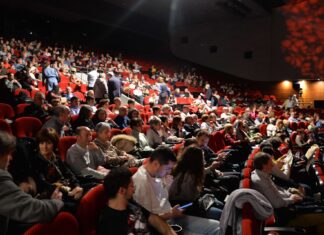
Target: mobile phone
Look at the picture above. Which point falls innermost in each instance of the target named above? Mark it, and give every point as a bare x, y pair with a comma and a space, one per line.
186, 205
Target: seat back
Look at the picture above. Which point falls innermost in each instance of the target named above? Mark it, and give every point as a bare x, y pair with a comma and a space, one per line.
263, 129
63, 223
250, 225
27, 127
6, 111
90, 208
4, 126
293, 137
20, 108
64, 144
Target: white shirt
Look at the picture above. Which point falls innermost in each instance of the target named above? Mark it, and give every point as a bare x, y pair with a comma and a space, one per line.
151, 192
92, 77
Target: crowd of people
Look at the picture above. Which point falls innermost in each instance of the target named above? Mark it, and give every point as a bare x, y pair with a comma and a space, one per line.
172, 146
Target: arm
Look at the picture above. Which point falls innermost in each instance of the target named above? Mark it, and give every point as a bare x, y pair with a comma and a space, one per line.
19, 206
160, 225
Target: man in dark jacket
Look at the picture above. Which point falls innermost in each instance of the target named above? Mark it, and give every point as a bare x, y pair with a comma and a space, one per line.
114, 86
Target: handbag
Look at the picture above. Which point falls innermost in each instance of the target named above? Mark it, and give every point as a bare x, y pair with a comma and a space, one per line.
206, 201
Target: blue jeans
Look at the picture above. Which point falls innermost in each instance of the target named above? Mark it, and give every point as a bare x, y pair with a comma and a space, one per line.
51, 83
214, 213
192, 225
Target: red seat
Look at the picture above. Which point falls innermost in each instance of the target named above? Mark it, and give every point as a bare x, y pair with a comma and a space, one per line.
293, 137
246, 173
127, 130
263, 129
63, 86
79, 95
74, 118
115, 131
145, 128
90, 208
245, 183
293, 126
64, 223
250, 225
4, 126
18, 90
27, 127
64, 144
6, 111
20, 108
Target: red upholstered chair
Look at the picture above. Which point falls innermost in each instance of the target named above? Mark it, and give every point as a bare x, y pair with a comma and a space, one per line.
212, 142
18, 90
250, 225
293, 125
246, 173
64, 144
4, 126
293, 137
20, 108
115, 131
263, 129
127, 130
89, 210
79, 95
6, 111
64, 224
145, 128
74, 118
27, 127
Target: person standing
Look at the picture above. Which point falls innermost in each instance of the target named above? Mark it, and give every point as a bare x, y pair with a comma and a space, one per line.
164, 91
51, 76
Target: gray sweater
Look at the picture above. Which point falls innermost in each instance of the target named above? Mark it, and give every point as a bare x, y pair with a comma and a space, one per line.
84, 162
19, 206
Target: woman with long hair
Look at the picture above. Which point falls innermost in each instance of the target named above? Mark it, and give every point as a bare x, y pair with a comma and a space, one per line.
84, 118
188, 183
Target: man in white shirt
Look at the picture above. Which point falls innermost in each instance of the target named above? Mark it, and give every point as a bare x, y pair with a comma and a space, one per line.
92, 77
151, 191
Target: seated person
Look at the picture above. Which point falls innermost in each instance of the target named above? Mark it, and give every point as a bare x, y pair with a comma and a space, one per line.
281, 198
75, 105
16, 205
50, 172
177, 127
122, 119
60, 121
151, 192
153, 133
116, 105
101, 116
144, 148
189, 127
38, 108
90, 100
112, 156
121, 215
84, 118
84, 157
188, 183
205, 125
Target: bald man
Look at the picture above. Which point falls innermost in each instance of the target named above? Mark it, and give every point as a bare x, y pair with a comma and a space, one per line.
84, 157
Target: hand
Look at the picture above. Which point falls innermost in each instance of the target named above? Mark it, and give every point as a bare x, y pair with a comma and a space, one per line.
301, 190
214, 165
76, 193
93, 146
296, 198
280, 163
66, 128
56, 194
176, 211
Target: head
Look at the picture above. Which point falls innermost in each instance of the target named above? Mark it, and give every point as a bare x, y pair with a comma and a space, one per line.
263, 162
166, 109
164, 121
75, 102
136, 124
7, 147
85, 112
100, 115
103, 131
156, 111
131, 104
47, 140
118, 184
83, 135
103, 103
228, 129
202, 138
177, 122
62, 112
189, 120
191, 161
205, 118
39, 98
161, 162
133, 113
155, 123
122, 111
117, 102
